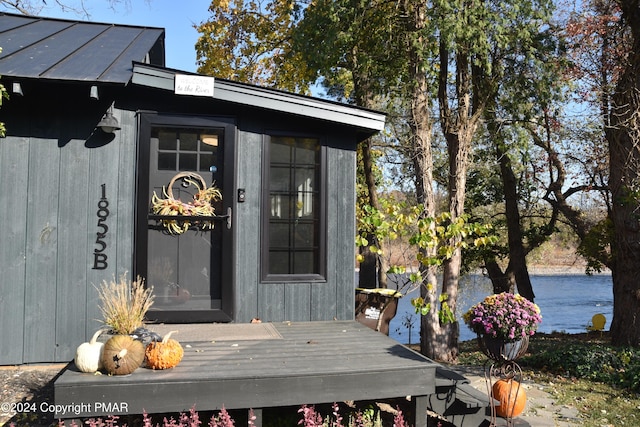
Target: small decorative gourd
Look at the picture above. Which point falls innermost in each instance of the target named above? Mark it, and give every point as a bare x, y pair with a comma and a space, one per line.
165, 354
122, 355
88, 354
511, 396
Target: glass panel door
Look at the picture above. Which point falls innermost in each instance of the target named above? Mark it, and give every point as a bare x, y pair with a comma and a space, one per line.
184, 257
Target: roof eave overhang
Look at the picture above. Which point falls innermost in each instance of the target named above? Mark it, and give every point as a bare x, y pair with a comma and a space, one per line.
367, 121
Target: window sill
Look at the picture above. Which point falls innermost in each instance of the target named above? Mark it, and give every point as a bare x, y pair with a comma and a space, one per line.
294, 278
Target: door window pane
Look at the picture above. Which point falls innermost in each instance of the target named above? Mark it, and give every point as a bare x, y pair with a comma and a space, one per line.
188, 141
206, 161
167, 139
188, 162
167, 161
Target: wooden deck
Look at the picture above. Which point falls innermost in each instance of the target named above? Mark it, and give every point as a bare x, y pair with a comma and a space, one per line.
307, 363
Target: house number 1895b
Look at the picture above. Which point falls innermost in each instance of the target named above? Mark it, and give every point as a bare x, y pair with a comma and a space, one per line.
99, 255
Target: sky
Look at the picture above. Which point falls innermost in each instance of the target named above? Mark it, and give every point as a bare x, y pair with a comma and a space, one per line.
176, 17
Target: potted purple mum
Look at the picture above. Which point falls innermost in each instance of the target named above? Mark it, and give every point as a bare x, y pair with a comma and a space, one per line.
504, 322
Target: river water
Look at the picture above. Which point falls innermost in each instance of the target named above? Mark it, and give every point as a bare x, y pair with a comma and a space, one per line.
567, 303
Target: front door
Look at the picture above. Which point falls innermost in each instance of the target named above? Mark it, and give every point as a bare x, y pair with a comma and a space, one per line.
186, 262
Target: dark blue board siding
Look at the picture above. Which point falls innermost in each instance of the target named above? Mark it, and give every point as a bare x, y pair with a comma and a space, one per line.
323, 301
246, 227
271, 306
50, 190
73, 248
14, 155
122, 197
42, 246
297, 302
343, 239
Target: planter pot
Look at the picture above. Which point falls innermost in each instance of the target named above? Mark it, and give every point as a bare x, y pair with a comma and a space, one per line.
500, 350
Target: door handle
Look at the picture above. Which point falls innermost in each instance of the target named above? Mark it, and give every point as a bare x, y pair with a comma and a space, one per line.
228, 215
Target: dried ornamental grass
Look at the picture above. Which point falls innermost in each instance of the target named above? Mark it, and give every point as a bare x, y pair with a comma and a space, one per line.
124, 304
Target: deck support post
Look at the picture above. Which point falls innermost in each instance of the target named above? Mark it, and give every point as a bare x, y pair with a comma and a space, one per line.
257, 413
421, 405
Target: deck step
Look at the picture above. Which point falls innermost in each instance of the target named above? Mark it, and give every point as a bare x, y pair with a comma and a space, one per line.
471, 396
457, 401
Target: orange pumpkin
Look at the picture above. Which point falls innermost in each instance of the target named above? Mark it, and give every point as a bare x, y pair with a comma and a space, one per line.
165, 354
511, 396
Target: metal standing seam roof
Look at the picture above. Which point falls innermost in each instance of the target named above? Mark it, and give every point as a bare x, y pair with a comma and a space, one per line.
45, 48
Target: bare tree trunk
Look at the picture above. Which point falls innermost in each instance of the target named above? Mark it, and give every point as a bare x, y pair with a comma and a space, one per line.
420, 128
459, 145
459, 126
501, 280
517, 267
623, 137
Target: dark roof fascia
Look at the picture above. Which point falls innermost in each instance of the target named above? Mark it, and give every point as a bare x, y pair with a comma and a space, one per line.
270, 99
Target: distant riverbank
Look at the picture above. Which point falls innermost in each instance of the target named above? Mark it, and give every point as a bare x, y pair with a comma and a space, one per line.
567, 302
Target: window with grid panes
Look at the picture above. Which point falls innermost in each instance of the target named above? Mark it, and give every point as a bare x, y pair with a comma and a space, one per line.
294, 216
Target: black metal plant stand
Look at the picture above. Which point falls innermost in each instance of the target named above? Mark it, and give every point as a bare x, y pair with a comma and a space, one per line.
502, 366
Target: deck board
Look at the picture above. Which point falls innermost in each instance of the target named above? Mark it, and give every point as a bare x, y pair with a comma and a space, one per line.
314, 362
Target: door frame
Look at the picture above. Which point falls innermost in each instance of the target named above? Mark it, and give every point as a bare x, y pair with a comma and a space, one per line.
147, 120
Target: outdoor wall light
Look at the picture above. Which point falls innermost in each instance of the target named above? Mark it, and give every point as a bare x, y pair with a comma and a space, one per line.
211, 140
109, 124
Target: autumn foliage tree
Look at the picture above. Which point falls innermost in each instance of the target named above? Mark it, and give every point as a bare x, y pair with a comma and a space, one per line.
623, 136
606, 49
250, 41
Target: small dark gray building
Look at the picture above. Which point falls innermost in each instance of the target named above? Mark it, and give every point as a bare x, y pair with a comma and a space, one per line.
75, 200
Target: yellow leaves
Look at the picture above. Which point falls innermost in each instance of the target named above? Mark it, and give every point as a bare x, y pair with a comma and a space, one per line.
481, 241
421, 306
222, 4
251, 42
397, 269
361, 241
438, 238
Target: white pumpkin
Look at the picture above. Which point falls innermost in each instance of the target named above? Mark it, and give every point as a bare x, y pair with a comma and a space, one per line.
88, 354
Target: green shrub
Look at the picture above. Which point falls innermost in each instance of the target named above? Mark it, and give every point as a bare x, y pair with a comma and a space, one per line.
616, 366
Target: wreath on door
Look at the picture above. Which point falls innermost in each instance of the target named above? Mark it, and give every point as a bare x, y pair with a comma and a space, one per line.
200, 206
